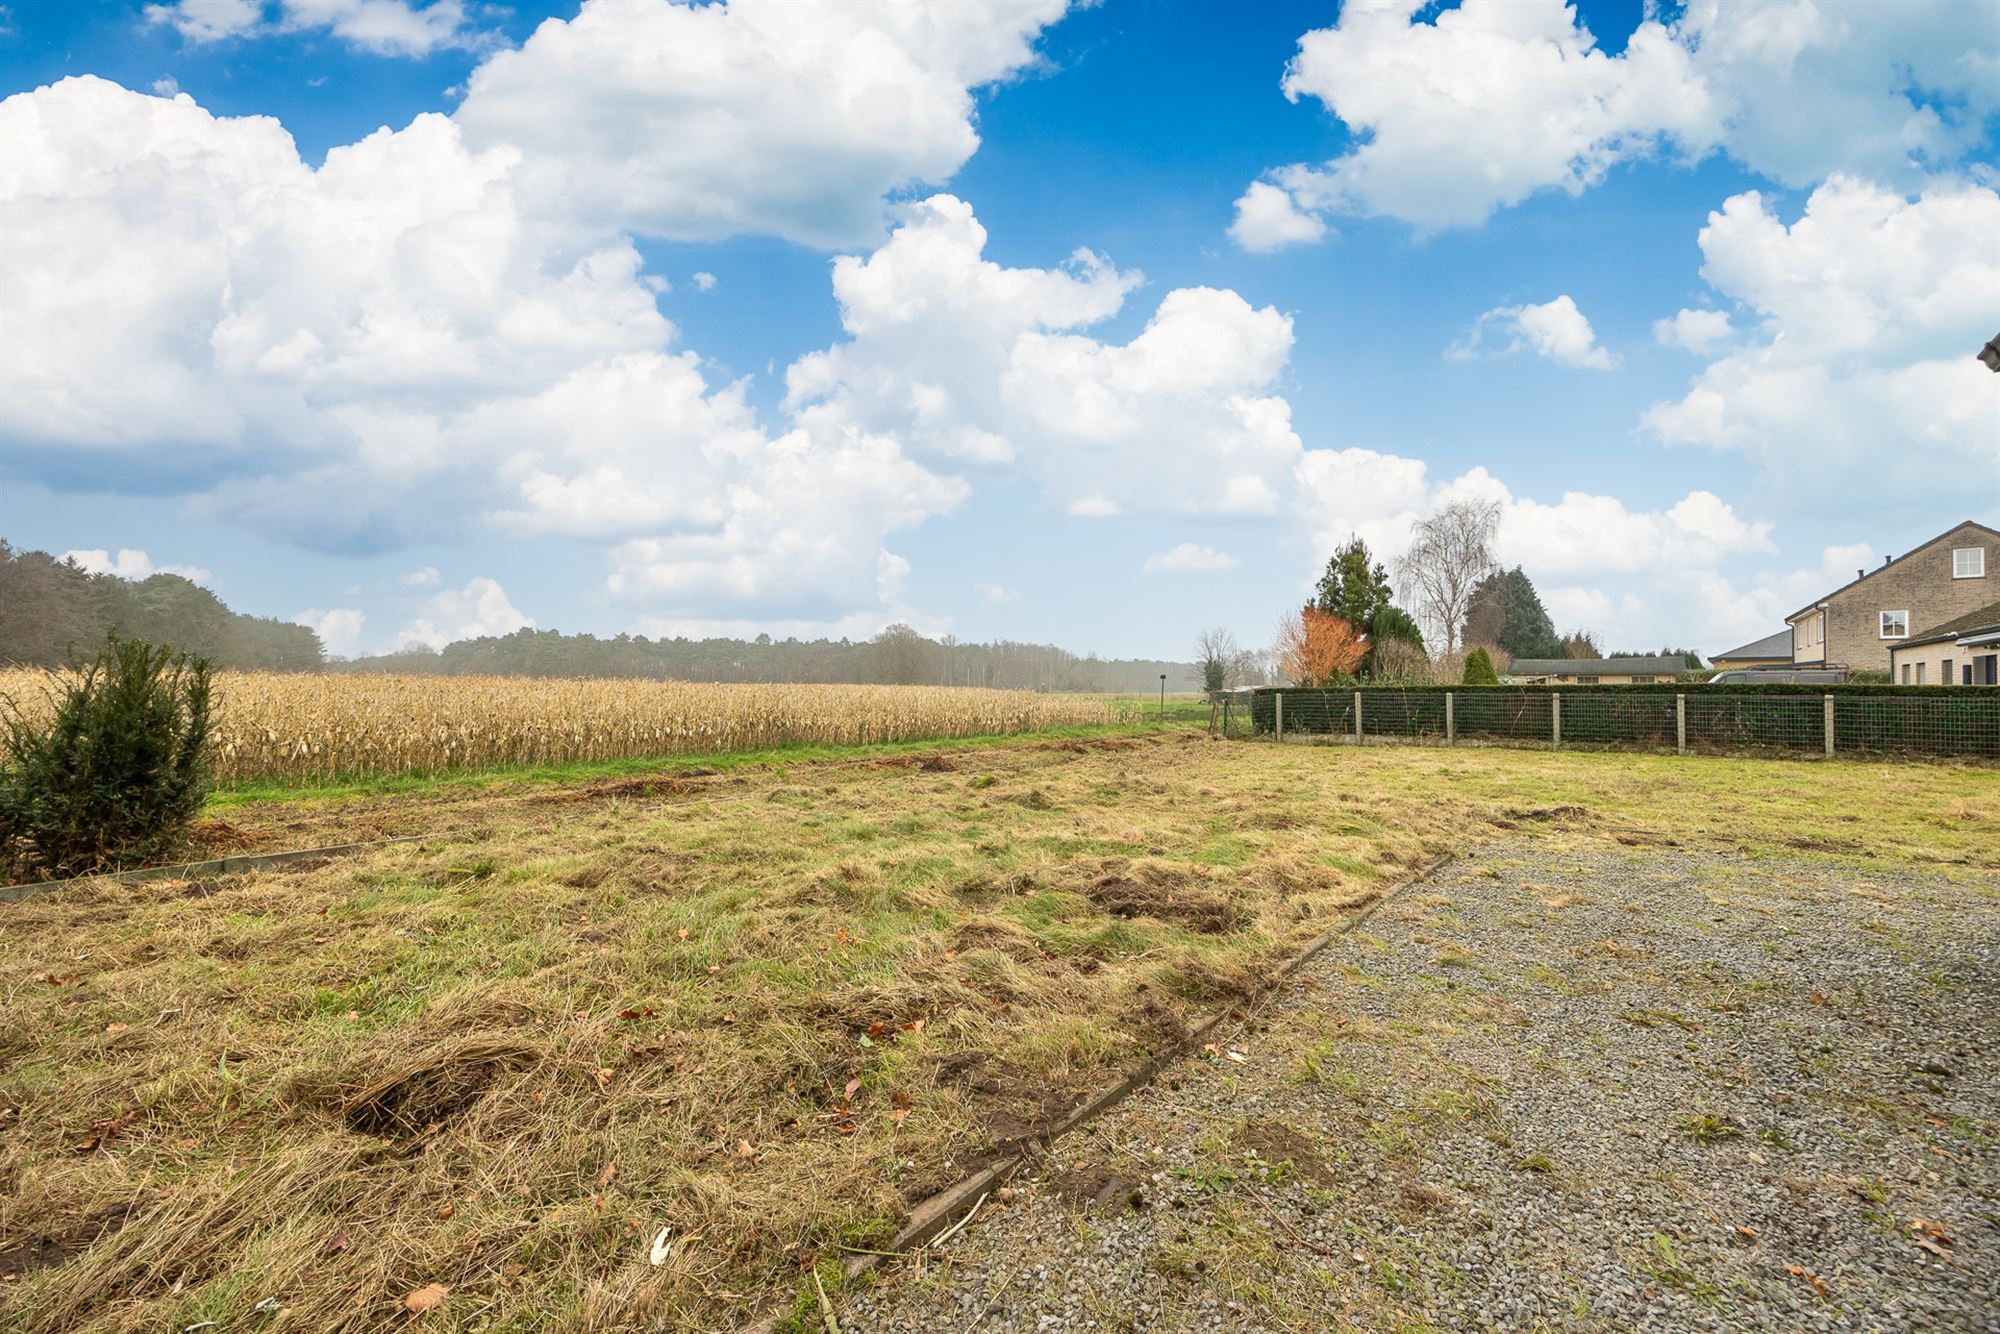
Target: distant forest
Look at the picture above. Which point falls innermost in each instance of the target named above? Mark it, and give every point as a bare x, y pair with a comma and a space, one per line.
51, 610
897, 656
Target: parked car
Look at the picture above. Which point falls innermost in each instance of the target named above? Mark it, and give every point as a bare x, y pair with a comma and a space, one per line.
1780, 676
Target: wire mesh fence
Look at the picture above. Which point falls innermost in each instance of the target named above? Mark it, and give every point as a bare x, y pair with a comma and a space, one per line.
1939, 721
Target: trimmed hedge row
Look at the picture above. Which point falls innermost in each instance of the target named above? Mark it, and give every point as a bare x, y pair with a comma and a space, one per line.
1912, 720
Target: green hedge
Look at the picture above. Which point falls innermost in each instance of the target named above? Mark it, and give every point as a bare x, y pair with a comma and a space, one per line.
1914, 720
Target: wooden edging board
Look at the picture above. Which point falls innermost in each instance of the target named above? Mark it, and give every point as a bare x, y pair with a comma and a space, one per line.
937, 1213
246, 861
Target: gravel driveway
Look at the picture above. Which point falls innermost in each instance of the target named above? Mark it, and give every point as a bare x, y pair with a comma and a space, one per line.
1564, 1088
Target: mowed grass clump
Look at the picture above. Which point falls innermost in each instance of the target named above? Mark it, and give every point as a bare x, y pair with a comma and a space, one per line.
760, 1022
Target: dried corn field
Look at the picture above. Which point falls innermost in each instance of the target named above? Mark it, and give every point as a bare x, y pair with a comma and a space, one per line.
303, 728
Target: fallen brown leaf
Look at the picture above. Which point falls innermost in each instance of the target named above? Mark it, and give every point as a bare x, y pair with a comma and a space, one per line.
425, 1298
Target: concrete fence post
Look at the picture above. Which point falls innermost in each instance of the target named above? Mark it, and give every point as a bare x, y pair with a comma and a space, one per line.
1357, 715
1827, 705
1280, 727
1680, 724
1450, 731
1555, 718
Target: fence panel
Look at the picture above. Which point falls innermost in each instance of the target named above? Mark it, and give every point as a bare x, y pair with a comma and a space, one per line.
1925, 725
1410, 714
1504, 715
1307, 712
1610, 718
1952, 721
1755, 722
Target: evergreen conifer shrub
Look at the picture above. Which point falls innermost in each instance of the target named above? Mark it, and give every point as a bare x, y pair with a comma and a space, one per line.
1479, 668
116, 772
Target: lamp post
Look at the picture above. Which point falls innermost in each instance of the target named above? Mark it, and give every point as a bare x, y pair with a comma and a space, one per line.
1163, 697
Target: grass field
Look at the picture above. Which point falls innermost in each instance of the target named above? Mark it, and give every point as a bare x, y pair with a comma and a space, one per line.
761, 1006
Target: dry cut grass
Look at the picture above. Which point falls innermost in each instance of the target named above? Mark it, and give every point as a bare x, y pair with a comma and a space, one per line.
312, 727
759, 1012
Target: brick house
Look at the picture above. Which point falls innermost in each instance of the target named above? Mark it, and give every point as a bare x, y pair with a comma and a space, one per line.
1855, 626
1964, 651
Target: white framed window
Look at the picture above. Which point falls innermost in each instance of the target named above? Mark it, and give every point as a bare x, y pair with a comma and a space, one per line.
1895, 625
1968, 562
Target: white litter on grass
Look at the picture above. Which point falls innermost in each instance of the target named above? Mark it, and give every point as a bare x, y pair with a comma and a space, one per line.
661, 1246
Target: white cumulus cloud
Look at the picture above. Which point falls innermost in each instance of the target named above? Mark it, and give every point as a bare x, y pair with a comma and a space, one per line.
698, 122
1697, 331
384, 27
480, 608
1868, 309
1555, 329
976, 363
208, 20
1267, 218
1458, 112
339, 629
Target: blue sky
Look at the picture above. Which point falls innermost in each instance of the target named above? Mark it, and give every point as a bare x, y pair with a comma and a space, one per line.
1097, 326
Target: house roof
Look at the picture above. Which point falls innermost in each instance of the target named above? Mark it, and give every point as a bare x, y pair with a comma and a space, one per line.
1596, 666
1984, 618
1777, 645
1921, 546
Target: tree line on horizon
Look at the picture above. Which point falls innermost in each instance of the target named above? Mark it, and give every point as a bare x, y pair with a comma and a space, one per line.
54, 612
898, 655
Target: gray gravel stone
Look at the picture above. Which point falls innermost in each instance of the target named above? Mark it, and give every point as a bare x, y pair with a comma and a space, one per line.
1550, 1088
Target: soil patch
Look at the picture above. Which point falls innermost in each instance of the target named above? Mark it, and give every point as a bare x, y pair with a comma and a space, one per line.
1276, 1143
1011, 1103
681, 782
1540, 814
1167, 893
936, 762
417, 1095
47, 1248
1096, 1187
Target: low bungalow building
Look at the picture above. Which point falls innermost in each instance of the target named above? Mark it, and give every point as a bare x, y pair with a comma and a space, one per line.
1593, 671
1773, 650
1964, 651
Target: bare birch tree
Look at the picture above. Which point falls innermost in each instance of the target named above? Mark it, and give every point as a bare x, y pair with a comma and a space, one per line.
1450, 552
